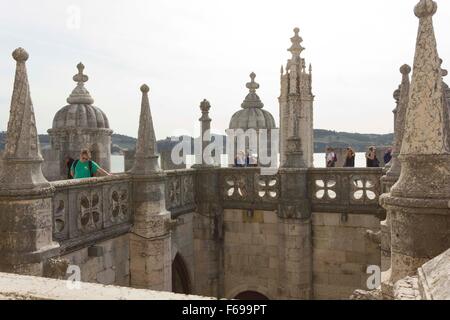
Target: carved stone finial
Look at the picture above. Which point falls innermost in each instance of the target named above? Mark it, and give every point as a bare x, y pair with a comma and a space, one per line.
20, 55
80, 95
296, 48
145, 88
252, 100
425, 8
205, 106
405, 69
80, 77
252, 86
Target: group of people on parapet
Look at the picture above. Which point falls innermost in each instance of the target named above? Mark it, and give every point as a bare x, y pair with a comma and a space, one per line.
83, 167
245, 159
371, 158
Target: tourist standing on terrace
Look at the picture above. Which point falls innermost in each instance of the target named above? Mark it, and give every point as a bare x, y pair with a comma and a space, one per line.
371, 158
331, 158
387, 156
85, 167
350, 158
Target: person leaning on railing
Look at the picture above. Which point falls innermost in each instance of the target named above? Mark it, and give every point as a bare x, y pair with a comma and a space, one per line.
85, 167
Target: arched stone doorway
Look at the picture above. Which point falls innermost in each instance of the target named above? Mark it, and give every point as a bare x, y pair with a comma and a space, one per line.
251, 295
181, 282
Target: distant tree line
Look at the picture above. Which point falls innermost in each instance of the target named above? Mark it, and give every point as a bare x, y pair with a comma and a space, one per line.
322, 138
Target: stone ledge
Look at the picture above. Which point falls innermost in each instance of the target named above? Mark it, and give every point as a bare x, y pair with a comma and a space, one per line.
20, 287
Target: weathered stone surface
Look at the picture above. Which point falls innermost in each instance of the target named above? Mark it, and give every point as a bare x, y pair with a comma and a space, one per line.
146, 160
434, 278
36, 288
418, 202
296, 105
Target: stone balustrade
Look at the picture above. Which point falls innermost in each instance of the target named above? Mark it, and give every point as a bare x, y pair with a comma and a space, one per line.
89, 210
243, 188
345, 190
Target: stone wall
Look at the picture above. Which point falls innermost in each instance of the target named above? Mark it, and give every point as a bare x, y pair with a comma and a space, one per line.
250, 253
183, 243
342, 253
107, 262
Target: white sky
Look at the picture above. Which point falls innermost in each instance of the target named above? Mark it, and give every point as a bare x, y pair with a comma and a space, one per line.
190, 50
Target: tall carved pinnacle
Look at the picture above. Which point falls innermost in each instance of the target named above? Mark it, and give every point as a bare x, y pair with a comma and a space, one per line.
146, 159
22, 139
80, 95
426, 127
22, 157
296, 48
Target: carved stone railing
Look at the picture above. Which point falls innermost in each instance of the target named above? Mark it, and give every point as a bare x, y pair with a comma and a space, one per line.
345, 190
341, 190
180, 197
88, 210
247, 188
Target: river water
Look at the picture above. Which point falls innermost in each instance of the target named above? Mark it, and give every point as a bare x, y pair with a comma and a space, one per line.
117, 161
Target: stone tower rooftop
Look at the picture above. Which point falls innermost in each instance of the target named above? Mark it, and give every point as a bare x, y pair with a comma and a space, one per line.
80, 113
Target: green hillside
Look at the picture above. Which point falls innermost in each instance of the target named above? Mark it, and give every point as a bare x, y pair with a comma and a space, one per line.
322, 139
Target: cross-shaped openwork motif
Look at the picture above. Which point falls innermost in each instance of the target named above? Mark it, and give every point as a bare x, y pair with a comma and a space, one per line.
236, 187
325, 189
174, 192
267, 187
119, 205
363, 188
89, 216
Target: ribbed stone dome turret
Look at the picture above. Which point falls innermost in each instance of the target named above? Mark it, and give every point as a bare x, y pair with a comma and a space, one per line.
252, 116
80, 113
80, 116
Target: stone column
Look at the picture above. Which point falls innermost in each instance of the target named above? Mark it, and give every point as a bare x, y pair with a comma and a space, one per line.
205, 138
418, 202
387, 181
294, 225
150, 239
208, 234
26, 224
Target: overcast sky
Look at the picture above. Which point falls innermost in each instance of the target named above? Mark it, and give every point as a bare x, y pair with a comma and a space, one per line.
188, 50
